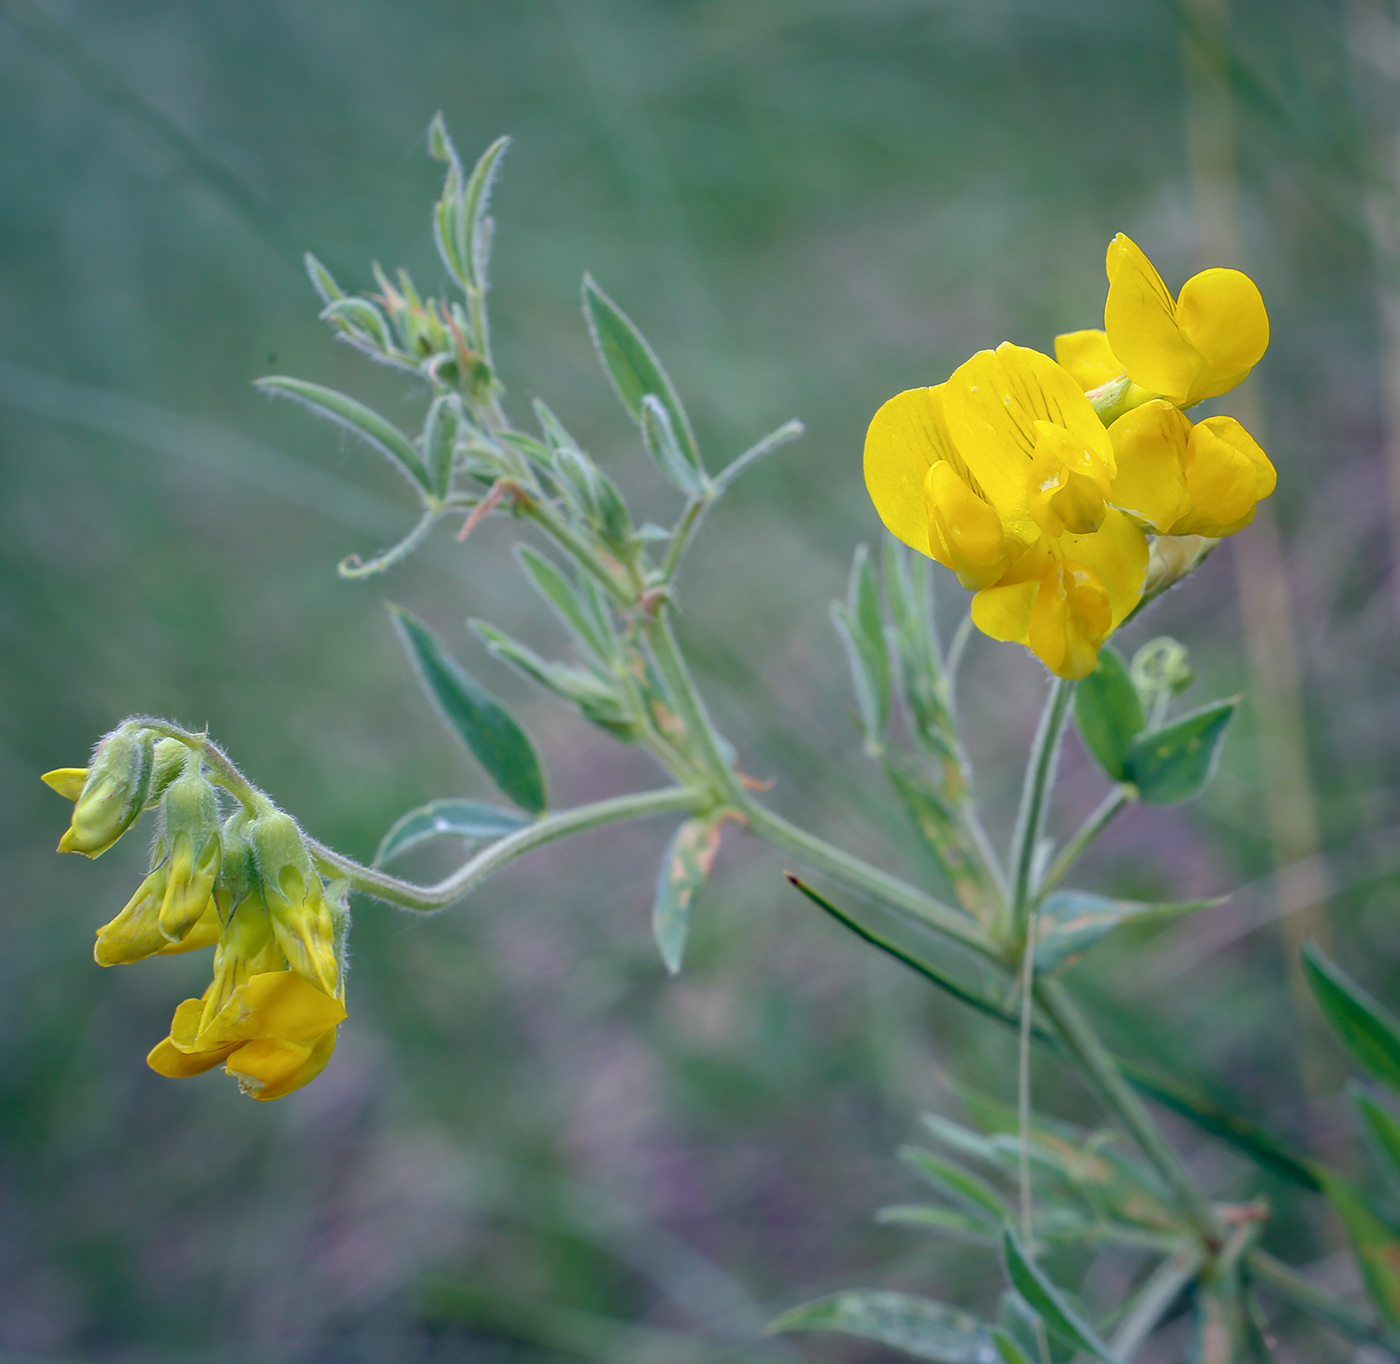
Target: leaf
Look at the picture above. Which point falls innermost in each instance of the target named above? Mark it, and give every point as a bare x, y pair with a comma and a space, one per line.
919, 1326
322, 280
1039, 1294
1383, 1128
356, 418
1010, 1352
684, 871
923, 685
862, 632
476, 199
488, 729
566, 602
1376, 1246
659, 436
1108, 711
1072, 921
931, 1217
1367, 1029
967, 1188
440, 441
448, 819
1173, 764
633, 367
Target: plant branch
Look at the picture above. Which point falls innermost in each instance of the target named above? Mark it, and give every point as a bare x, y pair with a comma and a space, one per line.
1289, 1286
1112, 804
1156, 1295
1035, 795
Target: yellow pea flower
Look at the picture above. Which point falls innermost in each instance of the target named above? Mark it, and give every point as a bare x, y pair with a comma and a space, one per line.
1200, 344
113, 792
1088, 358
301, 918
1180, 478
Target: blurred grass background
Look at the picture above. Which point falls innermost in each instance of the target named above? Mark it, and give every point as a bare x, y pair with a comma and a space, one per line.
531, 1145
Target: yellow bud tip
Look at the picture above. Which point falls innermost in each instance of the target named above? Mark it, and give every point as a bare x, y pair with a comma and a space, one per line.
67, 781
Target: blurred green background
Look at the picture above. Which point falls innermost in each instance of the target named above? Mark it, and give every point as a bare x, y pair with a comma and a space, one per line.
531, 1145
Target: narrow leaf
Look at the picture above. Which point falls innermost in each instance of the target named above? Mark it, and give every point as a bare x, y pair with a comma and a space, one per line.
565, 600
476, 200
448, 819
931, 1217
1039, 1294
684, 871
967, 1188
1108, 711
919, 1326
632, 366
1377, 1248
1174, 764
440, 442
356, 418
1383, 1128
489, 730
1072, 921
659, 435
1009, 1351
1367, 1029
859, 624
322, 280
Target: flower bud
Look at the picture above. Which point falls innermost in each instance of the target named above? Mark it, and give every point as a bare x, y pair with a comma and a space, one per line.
190, 811
67, 781
295, 897
114, 793
136, 932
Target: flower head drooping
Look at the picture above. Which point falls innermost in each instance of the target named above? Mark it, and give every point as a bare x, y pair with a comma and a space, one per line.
1037, 481
113, 791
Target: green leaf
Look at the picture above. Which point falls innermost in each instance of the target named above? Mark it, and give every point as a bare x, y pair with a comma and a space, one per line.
1383, 1128
1367, 1029
634, 369
322, 280
919, 1326
931, 1217
440, 441
1173, 764
488, 729
684, 871
1377, 1248
566, 600
1039, 1294
967, 1188
1072, 921
659, 435
448, 819
861, 628
1010, 1352
923, 685
356, 418
476, 199
1108, 711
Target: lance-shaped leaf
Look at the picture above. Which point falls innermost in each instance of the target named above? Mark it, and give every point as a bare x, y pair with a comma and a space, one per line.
961, 1184
1367, 1029
684, 871
635, 371
1173, 764
448, 819
488, 729
659, 435
931, 1217
920, 1327
1383, 1129
322, 280
1376, 1246
1043, 1298
440, 441
859, 624
1072, 921
569, 603
1108, 711
359, 420
1007, 1348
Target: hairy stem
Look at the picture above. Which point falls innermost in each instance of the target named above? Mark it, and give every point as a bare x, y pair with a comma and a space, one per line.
1035, 796
222, 771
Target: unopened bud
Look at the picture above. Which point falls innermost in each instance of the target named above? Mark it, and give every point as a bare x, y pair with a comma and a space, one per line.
190, 810
1172, 557
136, 932
114, 793
295, 897
1161, 665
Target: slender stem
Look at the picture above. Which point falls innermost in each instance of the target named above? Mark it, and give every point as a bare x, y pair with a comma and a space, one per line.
224, 773
1117, 800
861, 876
956, 649
686, 526
786, 432
1023, 1080
1035, 794
1156, 1295
1118, 1094
1289, 1286
406, 895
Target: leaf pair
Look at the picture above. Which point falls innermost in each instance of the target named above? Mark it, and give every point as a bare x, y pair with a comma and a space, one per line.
1166, 765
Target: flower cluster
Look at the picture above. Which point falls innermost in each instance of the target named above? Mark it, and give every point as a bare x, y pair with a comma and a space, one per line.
1039, 481
243, 884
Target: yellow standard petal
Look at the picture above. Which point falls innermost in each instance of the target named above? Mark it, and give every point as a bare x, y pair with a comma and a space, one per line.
1087, 357
907, 437
1222, 314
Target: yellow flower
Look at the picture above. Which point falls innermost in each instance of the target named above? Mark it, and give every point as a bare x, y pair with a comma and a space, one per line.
1198, 345
1005, 474
138, 932
112, 794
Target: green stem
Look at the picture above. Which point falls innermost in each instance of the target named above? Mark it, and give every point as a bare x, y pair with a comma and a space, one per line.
571, 543
223, 772
1117, 800
1102, 1070
406, 895
1162, 1288
686, 526
1023, 1081
1289, 1286
1035, 796
861, 876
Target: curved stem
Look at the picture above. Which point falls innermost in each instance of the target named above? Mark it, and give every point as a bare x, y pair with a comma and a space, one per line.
223, 773
1035, 796
1112, 804
406, 895
1162, 1288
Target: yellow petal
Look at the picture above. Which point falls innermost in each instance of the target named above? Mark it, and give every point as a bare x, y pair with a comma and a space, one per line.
193, 871
67, 781
992, 404
965, 533
168, 1060
1003, 611
276, 1004
1225, 470
268, 1069
1221, 313
1117, 553
205, 933
1140, 319
1070, 618
135, 933
1229, 430
1067, 483
1150, 442
907, 437
1087, 357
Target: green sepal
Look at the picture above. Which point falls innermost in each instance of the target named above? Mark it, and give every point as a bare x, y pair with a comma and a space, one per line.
1070, 922
921, 1327
356, 418
685, 868
1108, 711
473, 819
494, 736
1174, 764
635, 371
1365, 1027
